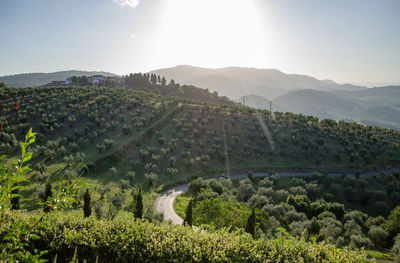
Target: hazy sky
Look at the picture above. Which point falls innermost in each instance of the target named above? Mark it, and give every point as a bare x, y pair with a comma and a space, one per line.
356, 41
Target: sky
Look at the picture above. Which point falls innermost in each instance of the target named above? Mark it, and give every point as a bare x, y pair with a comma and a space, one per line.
348, 41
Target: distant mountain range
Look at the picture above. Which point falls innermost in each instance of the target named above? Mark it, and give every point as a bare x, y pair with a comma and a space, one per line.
376, 106
39, 79
235, 81
296, 93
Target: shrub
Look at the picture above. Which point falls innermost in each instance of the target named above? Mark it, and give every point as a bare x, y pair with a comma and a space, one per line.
99, 209
141, 241
378, 236
117, 200
124, 185
352, 228
358, 216
392, 225
297, 190
196, 185
375, 221
293, 216
245, 190
396, 247
360, 241
331, 227
281, 196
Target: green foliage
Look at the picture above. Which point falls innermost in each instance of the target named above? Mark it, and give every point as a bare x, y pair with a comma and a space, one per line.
13, 244
196, 185
378, 236
9, 178
220, 213
140, 241
392, 225
396, 247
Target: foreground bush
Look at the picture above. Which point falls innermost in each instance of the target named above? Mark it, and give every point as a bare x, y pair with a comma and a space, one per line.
145, 242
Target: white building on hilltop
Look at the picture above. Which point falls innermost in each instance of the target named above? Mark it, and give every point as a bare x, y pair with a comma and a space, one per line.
96, 79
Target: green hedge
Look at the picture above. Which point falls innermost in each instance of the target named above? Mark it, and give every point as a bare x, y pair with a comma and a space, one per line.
145, 242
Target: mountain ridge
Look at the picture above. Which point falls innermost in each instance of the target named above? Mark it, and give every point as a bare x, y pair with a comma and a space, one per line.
378, 106
269, 83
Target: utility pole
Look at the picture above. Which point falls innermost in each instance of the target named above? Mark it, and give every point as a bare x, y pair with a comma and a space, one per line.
270, 106
243, 101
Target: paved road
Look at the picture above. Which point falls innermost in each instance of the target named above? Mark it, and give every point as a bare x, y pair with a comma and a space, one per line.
165, 202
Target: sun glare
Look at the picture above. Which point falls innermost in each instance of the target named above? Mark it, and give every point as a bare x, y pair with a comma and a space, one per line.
210, 31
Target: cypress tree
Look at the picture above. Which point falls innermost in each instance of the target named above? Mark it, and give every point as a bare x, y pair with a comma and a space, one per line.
87, 209
251, 224
139, 205
15, 200
163, 81
189, 214
47, 193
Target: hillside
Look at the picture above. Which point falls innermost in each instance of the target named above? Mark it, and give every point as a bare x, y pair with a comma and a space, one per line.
175, 138
39, 79
235, 82
377, 106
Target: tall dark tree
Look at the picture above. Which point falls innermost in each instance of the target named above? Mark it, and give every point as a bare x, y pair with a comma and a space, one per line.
251, 224
139, 205
15, 200
87, 208
163, 81
153, 79
189, 214
159, 79
47, 194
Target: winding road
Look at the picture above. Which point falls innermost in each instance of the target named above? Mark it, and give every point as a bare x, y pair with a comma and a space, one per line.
165, 202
